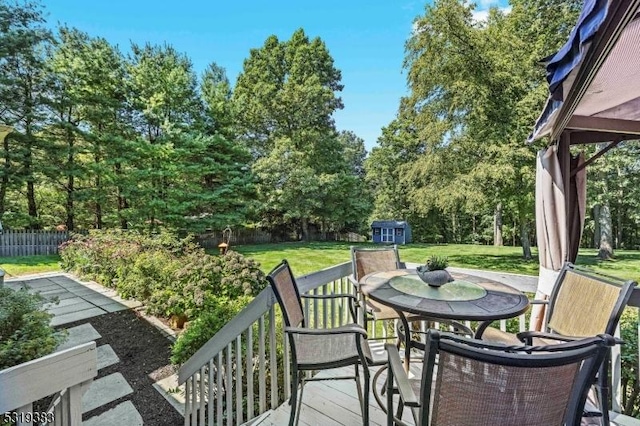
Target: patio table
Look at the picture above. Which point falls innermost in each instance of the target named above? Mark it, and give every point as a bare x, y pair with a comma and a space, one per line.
467, 298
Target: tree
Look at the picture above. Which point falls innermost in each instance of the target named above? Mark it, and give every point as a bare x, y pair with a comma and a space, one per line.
216, 94
23, 40
286, 90
307, 174
474, 93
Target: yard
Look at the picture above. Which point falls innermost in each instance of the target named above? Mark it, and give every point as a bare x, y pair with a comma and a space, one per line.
308, 257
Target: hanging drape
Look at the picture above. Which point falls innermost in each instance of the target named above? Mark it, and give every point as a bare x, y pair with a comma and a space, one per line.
558, 224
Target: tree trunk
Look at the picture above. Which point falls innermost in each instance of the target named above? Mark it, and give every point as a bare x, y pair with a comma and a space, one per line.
454, 226
98, 206
606, 237
305, 229
619, 212
524, 239
70, 184
5, 175
596, 227
122, 202
497, 226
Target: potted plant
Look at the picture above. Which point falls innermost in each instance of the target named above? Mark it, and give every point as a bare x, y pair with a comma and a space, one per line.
434, 272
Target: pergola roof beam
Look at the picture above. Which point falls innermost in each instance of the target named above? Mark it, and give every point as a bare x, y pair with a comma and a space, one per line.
610, 125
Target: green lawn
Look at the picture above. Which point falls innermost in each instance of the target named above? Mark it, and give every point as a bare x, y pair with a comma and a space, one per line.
308, 257
22, 265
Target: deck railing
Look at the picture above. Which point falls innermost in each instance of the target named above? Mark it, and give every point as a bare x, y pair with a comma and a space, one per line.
243, 371
65, 374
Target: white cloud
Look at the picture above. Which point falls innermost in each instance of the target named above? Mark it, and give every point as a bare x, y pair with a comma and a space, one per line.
481, 14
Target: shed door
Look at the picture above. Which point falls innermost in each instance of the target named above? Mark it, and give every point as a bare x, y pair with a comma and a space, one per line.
387, 235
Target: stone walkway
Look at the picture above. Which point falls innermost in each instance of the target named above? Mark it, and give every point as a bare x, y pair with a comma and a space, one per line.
79, 301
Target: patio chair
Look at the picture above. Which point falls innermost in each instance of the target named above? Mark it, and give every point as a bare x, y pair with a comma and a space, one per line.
482, 384
319, 349
582, 304
366, 261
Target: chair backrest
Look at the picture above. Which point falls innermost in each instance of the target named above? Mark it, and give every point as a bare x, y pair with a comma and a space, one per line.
477, 383
368, 260
286, 290
585, 303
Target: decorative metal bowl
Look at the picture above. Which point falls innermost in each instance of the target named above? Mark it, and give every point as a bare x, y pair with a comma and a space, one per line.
433, 278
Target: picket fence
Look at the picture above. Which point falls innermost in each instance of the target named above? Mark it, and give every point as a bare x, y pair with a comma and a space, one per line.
27, 242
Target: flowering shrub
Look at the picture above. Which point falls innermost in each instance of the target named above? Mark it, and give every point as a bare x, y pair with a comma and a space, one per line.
170, 276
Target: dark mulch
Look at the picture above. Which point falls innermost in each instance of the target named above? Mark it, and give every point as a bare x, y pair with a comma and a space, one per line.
144, 359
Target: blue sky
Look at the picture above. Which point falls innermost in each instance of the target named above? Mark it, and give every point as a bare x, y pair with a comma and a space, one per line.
365, 38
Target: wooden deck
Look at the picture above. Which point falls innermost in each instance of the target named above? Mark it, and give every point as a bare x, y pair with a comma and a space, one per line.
330, 403
335, 402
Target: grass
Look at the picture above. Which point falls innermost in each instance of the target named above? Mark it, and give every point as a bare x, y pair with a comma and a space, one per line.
310, 257
23, 265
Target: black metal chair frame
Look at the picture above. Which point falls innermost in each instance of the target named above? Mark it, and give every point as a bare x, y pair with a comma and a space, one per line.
526, 337
590, 351
358, 333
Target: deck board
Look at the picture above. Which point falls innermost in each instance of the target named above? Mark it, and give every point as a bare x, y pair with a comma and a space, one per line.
332, 403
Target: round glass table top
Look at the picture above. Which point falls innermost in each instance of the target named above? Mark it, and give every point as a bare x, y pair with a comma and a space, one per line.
456, 290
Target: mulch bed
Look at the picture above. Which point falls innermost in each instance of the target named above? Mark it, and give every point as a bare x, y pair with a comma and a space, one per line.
144, 354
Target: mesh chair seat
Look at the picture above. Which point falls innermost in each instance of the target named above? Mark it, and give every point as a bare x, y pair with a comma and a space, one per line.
495, 335
315, 351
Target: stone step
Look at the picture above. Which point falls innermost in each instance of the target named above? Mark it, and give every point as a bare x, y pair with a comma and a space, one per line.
78, 335
106, 356
105, 390
122, 414
76, 316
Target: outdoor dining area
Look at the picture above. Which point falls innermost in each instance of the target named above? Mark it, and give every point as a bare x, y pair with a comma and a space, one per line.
480, 377
472, 350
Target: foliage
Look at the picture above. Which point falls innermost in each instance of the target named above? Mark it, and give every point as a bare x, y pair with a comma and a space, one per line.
630, 378
437, 263
307, 173
25, 333
171, 276
203, 328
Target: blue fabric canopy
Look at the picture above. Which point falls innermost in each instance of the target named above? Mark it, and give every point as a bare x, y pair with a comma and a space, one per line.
562, 63
569, 56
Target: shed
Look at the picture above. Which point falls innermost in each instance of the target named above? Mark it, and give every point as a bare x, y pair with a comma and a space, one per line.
390, 231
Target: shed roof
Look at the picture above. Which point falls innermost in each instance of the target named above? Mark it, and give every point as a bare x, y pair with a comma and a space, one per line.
389, 224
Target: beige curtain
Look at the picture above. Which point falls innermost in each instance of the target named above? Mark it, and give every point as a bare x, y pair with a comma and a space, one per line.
556, 242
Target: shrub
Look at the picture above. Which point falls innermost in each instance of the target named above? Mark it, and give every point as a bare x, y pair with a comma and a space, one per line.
170, 276
25, 333
222, 310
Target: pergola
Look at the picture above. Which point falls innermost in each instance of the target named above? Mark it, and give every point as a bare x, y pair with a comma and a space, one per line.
594, 97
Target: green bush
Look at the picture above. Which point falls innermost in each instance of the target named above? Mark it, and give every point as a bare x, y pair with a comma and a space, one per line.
25, 333
629, 379
170, 276
222, 310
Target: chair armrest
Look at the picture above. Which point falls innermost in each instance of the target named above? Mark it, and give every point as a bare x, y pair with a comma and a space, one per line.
345, 329
353, 301
352, 280
527, 337
400, 376
538, 302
